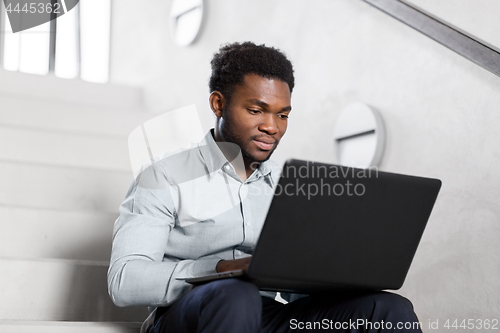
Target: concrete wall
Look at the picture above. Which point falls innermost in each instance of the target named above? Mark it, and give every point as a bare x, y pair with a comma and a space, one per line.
441, 111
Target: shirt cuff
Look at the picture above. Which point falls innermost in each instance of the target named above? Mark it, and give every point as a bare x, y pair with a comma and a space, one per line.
205, 266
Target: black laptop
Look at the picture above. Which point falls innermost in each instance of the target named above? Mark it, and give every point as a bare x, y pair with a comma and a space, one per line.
332, 228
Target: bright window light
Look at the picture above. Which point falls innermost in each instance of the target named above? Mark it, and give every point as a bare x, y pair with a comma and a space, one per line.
82, 43
11, 46
34, 49
66, 64
95, 22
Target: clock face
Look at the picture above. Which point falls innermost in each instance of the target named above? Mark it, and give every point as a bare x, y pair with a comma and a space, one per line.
185, 20
359, 136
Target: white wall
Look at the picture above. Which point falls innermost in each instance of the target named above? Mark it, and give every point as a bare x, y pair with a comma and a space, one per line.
441, 111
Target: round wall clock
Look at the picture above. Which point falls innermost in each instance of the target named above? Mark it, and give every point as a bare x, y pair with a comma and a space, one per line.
359, 136
186, 17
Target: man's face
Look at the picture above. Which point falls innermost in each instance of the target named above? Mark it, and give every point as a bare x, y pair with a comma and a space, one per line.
256, 117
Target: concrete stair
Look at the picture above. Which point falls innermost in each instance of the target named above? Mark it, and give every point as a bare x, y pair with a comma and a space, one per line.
64, 170
59, 290
62, 188
55, 234
23, 326
66, 149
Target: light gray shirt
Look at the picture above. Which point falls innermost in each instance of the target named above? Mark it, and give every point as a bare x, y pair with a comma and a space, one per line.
182, 215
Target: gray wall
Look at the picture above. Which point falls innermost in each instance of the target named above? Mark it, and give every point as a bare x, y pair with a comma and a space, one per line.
441, 111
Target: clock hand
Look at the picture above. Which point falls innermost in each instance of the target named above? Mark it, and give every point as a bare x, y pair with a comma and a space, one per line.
187, 11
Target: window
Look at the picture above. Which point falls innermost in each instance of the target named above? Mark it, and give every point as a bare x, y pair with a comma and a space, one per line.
75, 45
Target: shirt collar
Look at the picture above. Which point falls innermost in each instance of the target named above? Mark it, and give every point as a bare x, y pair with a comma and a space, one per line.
215, 159
266, 169
211, 153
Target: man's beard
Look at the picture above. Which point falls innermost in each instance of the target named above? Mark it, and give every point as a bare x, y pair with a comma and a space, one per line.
230, 136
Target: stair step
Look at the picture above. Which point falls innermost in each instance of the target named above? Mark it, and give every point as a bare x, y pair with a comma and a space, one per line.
62, 188
49, 87
59, 290
64, 149
43, 233
14, 326
76, 118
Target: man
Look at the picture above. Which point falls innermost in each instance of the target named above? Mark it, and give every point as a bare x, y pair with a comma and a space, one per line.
201, 210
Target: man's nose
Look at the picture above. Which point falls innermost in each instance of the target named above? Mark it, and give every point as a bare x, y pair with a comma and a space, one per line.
269, 124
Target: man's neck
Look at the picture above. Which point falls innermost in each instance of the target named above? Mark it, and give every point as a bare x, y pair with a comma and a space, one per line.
231, 151
250, 167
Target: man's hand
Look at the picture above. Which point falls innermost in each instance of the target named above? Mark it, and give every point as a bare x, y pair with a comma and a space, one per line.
231, 265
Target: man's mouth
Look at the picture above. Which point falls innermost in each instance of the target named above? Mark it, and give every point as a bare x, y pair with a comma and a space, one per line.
264, 144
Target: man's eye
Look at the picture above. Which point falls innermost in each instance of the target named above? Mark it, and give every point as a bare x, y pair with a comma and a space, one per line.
253, 111
283, 116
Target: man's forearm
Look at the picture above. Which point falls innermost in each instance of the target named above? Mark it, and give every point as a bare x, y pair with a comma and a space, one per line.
144, 282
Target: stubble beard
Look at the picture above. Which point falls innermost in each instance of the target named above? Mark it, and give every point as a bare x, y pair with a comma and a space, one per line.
228, 135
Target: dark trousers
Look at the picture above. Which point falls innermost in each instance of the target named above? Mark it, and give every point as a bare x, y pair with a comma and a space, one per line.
235, 306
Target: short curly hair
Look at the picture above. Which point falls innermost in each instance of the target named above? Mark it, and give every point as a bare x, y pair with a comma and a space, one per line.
236, 60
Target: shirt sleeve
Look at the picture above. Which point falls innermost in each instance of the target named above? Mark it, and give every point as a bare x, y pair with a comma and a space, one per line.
139, 272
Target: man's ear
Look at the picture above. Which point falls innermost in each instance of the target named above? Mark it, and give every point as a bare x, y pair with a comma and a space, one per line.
217, 103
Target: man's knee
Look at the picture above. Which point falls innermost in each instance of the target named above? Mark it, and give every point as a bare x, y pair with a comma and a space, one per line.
220, 306
232, 305
233, 293
393, 303
396, 309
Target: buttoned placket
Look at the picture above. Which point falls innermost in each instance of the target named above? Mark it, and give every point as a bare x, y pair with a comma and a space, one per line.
245, 209
247, 213
228, 170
